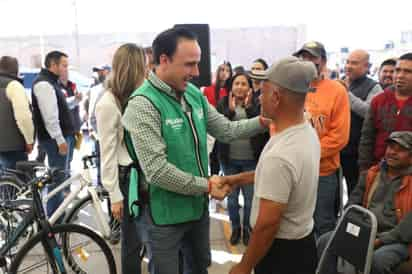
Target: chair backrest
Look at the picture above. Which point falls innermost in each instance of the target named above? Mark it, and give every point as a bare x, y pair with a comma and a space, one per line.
353, 239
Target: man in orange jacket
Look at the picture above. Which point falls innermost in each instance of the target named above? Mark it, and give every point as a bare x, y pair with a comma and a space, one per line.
328, 111
386, 190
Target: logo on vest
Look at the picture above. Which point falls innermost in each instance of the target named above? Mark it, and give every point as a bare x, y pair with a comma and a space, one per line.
200, 114
175, 123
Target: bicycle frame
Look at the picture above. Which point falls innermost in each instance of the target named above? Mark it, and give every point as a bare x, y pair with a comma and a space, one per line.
36, 215
85, 182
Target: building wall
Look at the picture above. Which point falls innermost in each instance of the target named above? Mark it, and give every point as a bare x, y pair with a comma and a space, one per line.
240, 46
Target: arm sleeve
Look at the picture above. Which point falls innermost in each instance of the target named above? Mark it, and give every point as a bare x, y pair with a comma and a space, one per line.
21, 108
367, 140
226, 131
47, 100
402, 233
142, 120
107, 124
337, 135
359, 106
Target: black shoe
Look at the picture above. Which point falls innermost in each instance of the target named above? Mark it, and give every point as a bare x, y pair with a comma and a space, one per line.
235, 237
246, 235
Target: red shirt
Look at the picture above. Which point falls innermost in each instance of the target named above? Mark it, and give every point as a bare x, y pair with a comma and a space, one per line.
209, 92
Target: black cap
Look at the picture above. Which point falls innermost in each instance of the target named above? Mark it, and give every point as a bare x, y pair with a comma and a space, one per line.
314, 48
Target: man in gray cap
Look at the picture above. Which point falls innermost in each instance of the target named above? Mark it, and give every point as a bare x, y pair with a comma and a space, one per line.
328, 111
386, 190
286, 178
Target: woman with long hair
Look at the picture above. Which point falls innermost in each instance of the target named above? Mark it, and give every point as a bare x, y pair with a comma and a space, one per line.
128, 73
240, 155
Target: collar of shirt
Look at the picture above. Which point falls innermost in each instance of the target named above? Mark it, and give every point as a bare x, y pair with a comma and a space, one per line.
162, 86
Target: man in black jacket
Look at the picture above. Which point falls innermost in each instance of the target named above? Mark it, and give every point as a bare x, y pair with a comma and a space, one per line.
361, 91
53, 120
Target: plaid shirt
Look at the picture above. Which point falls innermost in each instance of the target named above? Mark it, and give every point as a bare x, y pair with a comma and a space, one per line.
143, 122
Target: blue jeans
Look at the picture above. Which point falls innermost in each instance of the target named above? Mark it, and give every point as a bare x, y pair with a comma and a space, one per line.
8, 159
325, 211
55, 160
166, 243
235, 167
385, 259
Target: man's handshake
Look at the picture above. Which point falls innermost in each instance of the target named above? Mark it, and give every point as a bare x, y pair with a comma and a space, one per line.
218, 189
221, 186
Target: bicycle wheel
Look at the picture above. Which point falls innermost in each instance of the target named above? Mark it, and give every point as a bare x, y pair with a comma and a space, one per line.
84, 213
83, 252
9, 188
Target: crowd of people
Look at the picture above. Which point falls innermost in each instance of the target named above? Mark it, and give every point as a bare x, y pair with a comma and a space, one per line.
280, 134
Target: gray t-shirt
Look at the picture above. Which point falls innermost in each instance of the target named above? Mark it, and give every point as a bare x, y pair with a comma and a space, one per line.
288, 172
241, 149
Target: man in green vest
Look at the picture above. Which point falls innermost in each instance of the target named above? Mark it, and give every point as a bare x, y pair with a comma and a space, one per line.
168, 119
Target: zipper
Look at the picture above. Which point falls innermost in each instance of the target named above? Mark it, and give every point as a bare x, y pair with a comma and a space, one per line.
199, 163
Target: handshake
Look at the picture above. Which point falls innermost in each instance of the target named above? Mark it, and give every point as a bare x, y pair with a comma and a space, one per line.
221, 186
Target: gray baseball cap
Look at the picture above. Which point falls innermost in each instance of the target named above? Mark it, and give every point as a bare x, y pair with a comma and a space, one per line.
291, 73
403, 138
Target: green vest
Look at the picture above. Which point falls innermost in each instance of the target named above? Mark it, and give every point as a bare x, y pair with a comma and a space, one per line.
185, 136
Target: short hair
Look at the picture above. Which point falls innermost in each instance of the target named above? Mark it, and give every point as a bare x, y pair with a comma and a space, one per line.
166, 42
406, 56
263, 62
9, 65
238, 69
388, 62
53, 57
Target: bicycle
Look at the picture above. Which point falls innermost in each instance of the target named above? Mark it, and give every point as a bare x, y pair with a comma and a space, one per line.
53, 242
105, 225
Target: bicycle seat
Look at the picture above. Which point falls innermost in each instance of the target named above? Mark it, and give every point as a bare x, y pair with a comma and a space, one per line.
27, 167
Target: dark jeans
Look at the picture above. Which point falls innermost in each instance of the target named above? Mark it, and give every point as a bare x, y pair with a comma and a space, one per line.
325, 212
96, 148
350, 170
9, 159
55, 160
132, 237
290, 257
235, 167
385, 259
166, 243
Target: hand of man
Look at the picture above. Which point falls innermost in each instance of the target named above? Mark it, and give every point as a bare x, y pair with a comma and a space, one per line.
218, 189
265, 122
239, 269
79, 96
117, 210
29, 148
378, 243
63, 149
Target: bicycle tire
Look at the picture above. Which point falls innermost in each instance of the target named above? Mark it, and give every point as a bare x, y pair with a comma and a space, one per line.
73, 216
65, 230
10, 187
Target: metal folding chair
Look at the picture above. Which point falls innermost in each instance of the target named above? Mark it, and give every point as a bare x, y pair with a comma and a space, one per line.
353, 239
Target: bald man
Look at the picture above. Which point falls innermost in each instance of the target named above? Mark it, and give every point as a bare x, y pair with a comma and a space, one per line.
361, 91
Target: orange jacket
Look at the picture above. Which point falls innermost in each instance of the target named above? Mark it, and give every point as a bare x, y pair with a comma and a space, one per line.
328, 110
403, 198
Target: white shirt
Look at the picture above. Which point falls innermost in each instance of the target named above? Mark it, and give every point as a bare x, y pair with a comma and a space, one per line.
113, 150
